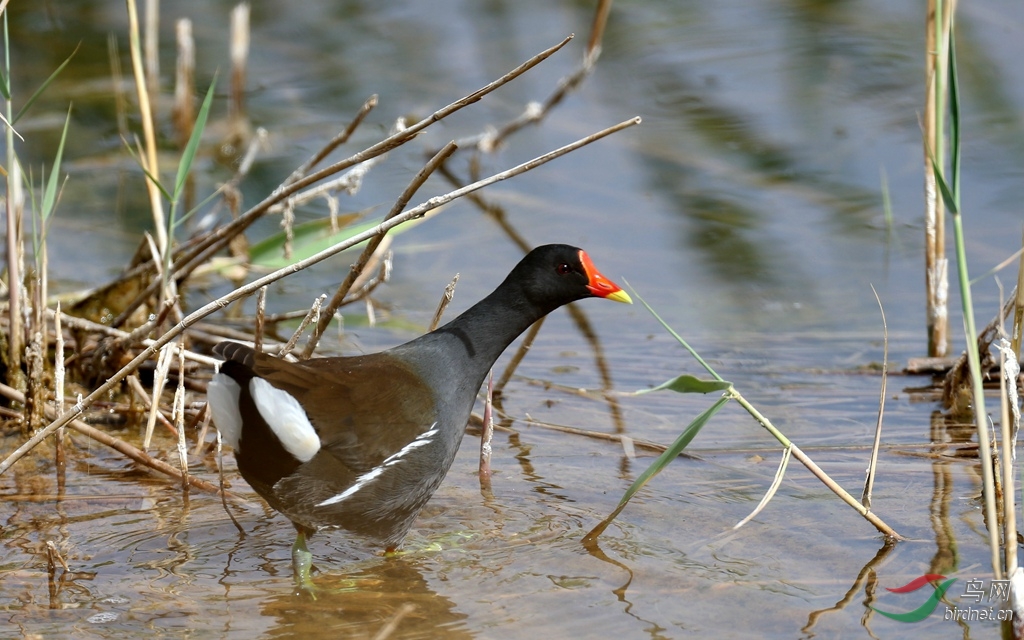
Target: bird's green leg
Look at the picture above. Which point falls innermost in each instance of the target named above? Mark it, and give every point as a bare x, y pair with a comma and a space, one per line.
302, 563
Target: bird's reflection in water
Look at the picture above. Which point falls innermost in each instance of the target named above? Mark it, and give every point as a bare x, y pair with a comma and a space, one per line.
389, 596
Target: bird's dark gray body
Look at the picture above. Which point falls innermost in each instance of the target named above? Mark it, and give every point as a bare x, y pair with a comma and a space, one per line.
387, 425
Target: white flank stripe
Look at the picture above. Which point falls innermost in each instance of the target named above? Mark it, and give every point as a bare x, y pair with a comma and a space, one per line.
222, 395
422, 439
287, 419
363, 480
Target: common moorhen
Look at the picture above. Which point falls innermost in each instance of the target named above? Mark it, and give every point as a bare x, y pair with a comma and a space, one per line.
362, 442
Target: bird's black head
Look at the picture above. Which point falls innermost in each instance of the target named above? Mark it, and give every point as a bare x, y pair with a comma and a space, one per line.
556, 274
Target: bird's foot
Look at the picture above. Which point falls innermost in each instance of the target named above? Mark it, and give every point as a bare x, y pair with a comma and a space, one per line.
302, 565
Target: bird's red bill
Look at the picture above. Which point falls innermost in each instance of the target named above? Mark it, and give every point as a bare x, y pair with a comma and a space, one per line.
601, 286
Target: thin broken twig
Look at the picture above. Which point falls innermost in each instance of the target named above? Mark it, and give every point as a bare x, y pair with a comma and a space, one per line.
357, 269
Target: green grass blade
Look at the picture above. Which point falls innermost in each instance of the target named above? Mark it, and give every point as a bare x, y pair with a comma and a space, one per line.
673, 451
5, 81
205, 201
689, 384
948, 198
675, 335
970, 330
152, 178
950, 190
4, 78
28, 178
886, 201
954, 119
189, 154
42, 87
50, 192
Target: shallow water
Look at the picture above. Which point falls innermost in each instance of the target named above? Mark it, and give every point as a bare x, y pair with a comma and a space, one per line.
746, 209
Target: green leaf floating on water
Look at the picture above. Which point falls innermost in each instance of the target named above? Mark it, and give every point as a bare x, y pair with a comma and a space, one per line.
690, 384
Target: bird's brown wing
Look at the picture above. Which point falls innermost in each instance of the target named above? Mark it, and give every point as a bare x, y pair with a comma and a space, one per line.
364, 408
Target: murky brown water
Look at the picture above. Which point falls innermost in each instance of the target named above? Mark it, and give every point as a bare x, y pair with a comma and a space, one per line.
745, 209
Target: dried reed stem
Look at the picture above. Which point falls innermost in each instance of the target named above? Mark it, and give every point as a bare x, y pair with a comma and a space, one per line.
936, 263
136, 386
335, 142
261, 311
313, 315
239, 58
204, 415
15, 256
208, 246
15, 262
486, 435
535, 112
1010, 370
184, 113
163, 366
250, 288
58, 395
148, 157
1018, 308
371, 246
446, 299
151, 44
128, 339
604, 8
869, 482
179, 417
99, 436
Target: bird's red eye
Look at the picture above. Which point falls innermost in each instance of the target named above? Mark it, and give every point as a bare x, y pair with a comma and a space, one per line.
563, 269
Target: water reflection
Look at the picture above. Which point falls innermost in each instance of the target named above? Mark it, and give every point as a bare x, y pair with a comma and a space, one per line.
945, 560
867, 579
392, 591
952, 446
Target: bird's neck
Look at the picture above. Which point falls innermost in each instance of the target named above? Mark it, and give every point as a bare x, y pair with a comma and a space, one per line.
474, 340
